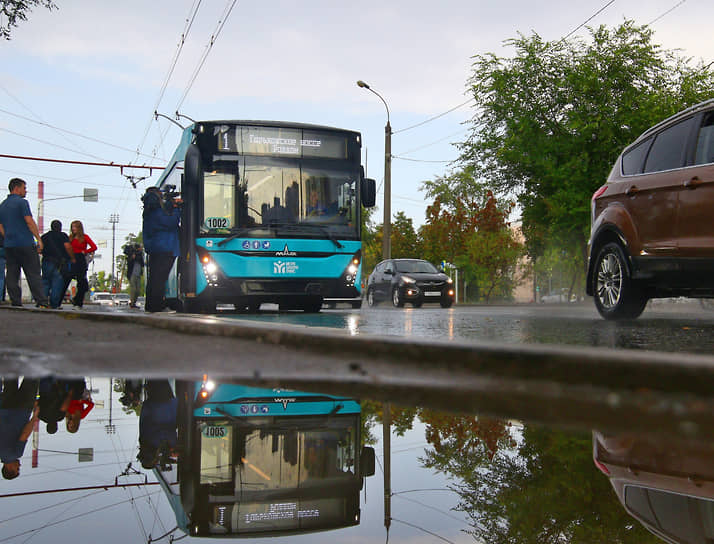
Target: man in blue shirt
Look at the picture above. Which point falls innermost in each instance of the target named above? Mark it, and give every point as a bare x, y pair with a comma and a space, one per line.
19, 228
16, 404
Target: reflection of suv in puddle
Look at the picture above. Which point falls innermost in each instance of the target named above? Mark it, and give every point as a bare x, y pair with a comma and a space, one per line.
652, 233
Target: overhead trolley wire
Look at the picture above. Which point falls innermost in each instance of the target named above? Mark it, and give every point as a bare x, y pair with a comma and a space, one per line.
209, 46
666, 12
184, 34
586, 21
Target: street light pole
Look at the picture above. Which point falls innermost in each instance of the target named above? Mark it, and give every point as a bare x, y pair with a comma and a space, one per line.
387, 225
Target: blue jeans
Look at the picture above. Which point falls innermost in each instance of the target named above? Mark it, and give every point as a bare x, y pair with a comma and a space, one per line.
53, 281
2, 273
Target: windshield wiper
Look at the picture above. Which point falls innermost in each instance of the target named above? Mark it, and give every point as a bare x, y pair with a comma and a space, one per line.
300, 226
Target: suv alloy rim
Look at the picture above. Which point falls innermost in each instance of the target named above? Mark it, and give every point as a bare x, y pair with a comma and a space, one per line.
609, 281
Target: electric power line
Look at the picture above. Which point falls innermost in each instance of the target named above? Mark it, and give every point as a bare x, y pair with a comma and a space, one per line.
42, 123
588, 19
435, 117
419, 160
73, 517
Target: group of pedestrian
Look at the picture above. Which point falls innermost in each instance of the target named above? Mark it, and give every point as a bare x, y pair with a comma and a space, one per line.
64, 257
21, 405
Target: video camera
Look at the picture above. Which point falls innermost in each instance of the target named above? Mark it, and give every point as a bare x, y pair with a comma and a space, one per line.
132, 249
170, 192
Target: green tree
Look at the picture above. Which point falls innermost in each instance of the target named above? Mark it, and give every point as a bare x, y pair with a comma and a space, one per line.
405, 242
101, 281
14, 11
552, 119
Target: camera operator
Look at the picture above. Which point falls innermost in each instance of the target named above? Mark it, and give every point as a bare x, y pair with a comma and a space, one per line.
161, 220
134, 270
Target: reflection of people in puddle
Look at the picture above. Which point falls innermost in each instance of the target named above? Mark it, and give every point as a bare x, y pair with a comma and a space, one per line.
157, 423
77, 409
18, 413
55, 397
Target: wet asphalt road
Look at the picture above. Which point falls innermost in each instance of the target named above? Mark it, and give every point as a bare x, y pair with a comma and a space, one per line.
671, 326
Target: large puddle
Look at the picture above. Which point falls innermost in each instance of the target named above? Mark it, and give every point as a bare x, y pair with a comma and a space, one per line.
156, 461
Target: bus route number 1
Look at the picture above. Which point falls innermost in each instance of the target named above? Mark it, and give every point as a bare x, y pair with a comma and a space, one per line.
217, 222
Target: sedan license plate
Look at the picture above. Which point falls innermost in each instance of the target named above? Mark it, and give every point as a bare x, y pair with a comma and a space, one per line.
432, 294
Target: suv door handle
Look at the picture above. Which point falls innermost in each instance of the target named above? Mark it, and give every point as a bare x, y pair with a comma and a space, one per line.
693, 183
632, 190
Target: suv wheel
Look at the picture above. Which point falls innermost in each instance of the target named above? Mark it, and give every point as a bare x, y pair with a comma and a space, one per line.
617, 296
396, 299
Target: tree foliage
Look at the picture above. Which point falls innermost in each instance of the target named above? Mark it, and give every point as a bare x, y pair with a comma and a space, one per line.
14, 11
552, 119
541, 488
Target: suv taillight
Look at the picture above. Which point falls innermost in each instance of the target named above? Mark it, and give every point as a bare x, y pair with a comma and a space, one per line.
599, 192
596, 195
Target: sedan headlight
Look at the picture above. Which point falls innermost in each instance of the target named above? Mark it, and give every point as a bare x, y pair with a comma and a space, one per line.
449, 280
407, 279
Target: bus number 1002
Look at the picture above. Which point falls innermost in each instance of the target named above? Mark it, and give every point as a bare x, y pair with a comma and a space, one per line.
217, 222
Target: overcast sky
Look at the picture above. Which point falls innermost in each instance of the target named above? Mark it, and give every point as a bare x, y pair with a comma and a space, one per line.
97, 69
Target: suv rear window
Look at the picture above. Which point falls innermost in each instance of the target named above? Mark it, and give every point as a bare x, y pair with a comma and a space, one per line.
667, 151
633, 159
705, 142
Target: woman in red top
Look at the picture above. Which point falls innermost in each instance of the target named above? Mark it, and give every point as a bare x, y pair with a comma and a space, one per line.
76, 412
84, 249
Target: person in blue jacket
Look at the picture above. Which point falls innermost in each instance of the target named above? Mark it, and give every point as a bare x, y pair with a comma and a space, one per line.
161, 221
157, 424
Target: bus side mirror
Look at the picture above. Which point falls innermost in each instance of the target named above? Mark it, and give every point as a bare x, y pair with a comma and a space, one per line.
366, 461
369, 192
193, 169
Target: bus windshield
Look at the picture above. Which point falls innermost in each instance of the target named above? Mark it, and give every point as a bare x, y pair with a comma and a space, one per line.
267, 191
259, 461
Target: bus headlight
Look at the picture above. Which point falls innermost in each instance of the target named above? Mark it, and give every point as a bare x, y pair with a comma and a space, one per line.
349, 276
210, 268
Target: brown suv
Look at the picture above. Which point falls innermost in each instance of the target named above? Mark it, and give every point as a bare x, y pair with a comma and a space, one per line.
652, 231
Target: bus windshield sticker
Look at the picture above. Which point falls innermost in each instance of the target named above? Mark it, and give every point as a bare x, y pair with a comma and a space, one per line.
215, 431
218, 223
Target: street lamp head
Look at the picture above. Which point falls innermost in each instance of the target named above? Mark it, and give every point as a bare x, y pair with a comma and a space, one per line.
362, 84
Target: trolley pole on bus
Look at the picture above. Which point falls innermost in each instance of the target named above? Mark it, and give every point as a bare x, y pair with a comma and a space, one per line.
387, 225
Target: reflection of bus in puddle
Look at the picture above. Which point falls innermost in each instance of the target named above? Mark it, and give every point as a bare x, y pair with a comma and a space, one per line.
665, 484
265, 462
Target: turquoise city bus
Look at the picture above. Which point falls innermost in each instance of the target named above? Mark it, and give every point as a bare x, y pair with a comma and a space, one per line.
265, 462
271, 214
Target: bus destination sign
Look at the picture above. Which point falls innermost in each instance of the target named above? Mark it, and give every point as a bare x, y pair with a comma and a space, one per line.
254, 140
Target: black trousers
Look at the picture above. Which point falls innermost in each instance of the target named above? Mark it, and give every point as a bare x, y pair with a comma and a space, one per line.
157, 274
